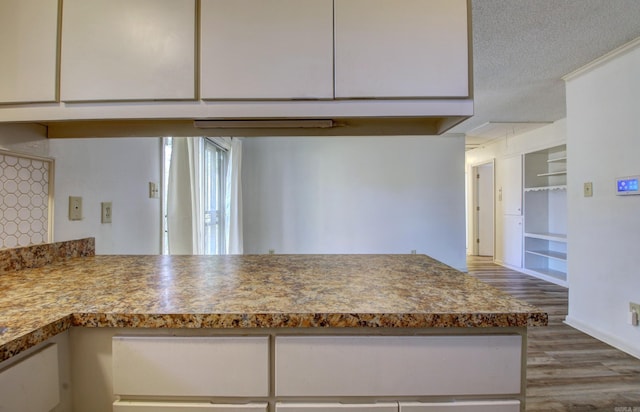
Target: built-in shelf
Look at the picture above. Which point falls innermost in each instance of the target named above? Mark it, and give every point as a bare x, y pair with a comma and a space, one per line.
554, 187
550, 275
555, 237
545, 214
558, 159
558, 173
551, 254
550, 272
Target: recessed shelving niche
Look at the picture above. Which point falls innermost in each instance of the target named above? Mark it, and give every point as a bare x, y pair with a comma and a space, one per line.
545, 214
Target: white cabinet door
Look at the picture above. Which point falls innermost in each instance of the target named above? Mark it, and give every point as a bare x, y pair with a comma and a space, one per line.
512, 240
509, 176
191, 366
142, 406
397, 365
336, 407
29, 45
128, 50
256, 49
401, 48
462, 406
31, 385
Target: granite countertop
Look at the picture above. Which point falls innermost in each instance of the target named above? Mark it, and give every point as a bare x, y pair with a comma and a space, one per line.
249, 291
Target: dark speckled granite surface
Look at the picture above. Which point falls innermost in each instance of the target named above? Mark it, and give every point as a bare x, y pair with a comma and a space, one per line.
250, 291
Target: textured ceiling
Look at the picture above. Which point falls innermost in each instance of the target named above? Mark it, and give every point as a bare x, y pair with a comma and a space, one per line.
522, 48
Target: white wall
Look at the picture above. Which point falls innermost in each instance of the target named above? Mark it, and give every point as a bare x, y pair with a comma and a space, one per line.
548, 136
603, 127
116, 170
355, 195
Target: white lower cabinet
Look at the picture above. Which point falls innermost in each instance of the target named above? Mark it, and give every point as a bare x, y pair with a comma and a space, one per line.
462, 406
397, 365
32, 384
191, 366
337, 407
135, 406
454, 406
327, 373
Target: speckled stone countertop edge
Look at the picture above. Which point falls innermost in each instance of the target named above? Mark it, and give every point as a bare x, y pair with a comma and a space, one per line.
278, 320
29, 340
311, 320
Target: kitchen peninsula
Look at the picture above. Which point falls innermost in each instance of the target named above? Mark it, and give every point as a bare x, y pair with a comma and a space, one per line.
277, 333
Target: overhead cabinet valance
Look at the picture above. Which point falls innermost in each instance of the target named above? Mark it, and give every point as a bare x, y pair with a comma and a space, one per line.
226, 58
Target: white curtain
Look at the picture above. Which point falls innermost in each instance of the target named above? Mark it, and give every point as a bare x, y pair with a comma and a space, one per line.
233, 201
184, 202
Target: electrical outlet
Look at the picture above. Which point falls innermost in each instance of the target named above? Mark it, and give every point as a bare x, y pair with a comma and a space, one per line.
271, 251
154, 192
588, 189
106, 212
75, 208
413, 252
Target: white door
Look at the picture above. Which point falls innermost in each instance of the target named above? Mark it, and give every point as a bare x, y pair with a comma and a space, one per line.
510, 187
484, 209
512, 241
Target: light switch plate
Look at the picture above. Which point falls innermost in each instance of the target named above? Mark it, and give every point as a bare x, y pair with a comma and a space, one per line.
75, 208
588, 189
106, 212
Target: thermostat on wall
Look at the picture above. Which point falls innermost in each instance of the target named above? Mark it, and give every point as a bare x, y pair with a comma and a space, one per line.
627, 185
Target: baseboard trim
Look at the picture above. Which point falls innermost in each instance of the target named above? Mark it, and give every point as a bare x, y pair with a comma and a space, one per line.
516, 268
604, 337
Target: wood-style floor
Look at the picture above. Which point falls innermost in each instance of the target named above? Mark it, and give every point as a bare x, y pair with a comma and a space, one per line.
567, 370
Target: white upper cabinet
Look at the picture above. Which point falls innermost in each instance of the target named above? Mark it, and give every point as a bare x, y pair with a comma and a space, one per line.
256, 49
28, 45
128, 50
401, 48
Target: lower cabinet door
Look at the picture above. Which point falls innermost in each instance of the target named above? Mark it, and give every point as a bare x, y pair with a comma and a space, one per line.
337, 407
147, 366
398, 365
32, 384
135, 406
462, 406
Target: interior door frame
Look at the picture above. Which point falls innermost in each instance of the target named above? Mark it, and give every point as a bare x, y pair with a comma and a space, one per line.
475, 223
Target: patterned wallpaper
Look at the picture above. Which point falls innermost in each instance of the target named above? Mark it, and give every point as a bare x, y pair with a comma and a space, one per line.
24, 200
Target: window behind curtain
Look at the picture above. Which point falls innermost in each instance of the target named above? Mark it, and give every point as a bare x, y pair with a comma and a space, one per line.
214, 168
